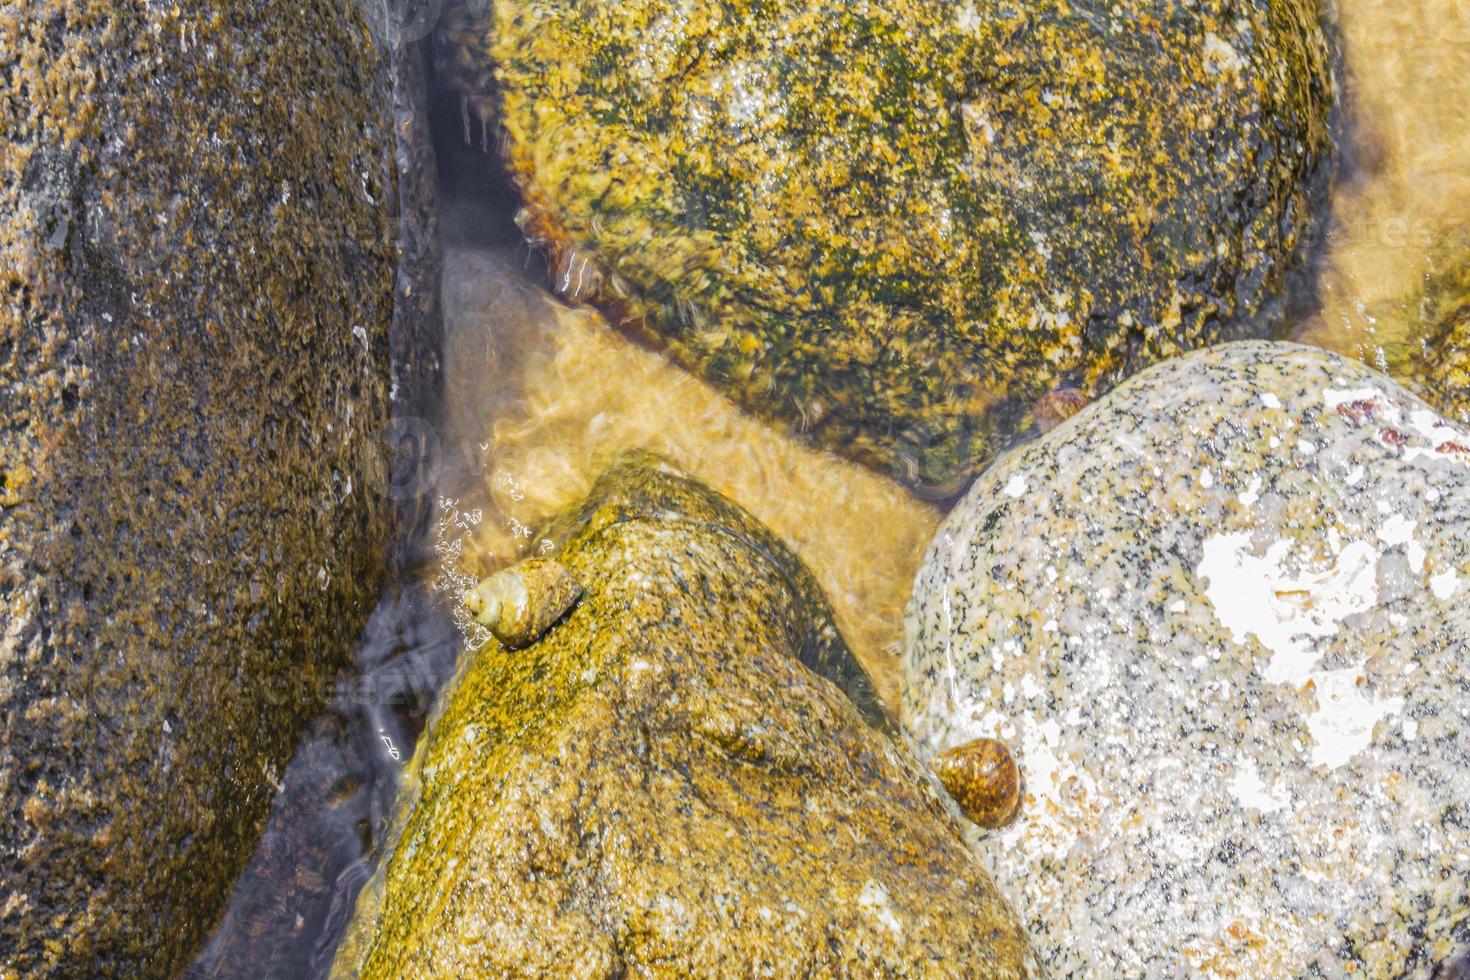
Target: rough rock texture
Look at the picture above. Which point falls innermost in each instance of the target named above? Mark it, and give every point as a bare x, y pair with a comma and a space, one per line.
291, 905
895, 226
660, 787
1221, 618
1441, 367
196, 288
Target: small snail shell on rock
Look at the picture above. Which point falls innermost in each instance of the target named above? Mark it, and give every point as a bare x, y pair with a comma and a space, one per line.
983, 779
1056, 406
520, 603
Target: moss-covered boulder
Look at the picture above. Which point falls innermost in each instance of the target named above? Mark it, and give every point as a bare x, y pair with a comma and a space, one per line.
660, 785
895, 226
196, 288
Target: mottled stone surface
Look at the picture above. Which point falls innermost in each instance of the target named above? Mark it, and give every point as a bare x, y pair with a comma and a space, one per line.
196, 291
1221, 618
895, 226
660, 787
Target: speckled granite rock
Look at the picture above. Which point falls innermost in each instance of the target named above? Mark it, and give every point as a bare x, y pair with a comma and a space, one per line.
1221, 616
895, 226
196, 290
660, 787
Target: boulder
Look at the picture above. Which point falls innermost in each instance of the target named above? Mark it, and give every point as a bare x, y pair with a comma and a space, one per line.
896, 226
1220, 617
662, 784
196, 289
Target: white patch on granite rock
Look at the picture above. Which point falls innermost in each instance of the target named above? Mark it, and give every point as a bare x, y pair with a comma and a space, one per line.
1417, 554
1251, 791
1056, 789
1342, 725
1336, 398
1258, 596
1397, 530
1444, 584
968, 19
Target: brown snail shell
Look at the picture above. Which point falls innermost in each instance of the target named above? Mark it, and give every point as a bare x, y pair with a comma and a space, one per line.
983, 779
520, 603
1056, 406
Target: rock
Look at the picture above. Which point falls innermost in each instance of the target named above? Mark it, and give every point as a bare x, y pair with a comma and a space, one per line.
896, 228
660, 786
290, 907
1220, 616
196, 289
1441, 365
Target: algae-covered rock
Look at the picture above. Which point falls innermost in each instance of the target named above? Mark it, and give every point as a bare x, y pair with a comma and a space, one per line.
1220, 616
895, 226
196, 287
1441, 366
659, 786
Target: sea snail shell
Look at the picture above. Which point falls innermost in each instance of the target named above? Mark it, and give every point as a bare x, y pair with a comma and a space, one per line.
1056, 406
520, 603
983, 779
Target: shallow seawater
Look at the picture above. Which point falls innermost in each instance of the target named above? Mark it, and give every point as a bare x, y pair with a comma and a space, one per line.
1406, 181
540, 394
580, 394
335, 799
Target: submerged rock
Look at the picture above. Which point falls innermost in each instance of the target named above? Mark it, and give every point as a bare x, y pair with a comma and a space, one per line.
895, 227
660, 785
569, 395
1220, 616
196, 289
1441, 367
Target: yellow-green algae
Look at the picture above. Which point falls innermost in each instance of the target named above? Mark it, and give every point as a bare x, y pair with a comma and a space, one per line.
895, 226
196, 285
659, 787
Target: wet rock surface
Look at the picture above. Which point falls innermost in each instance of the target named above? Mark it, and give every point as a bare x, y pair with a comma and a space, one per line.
196, 291
332, 809
1220, 617
1441, 367
660, 785
895, 227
